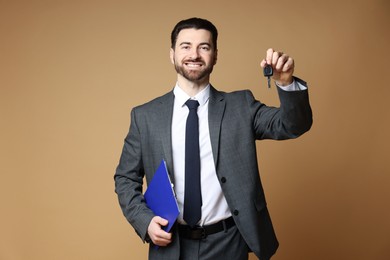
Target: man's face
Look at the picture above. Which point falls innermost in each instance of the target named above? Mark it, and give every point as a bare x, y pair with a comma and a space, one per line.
194, 55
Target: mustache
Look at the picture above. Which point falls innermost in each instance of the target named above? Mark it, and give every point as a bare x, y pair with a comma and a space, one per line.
194, 60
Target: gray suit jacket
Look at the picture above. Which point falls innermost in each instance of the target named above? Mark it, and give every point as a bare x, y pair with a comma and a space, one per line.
236, 121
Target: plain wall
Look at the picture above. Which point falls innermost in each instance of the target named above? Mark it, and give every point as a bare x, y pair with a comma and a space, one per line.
70, 71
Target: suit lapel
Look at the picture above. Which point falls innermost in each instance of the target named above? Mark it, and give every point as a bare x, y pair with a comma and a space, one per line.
164, 123
216, 111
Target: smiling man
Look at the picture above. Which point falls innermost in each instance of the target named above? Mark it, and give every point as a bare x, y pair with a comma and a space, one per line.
194, 57
208, 140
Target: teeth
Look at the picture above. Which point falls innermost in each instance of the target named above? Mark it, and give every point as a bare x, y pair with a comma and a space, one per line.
193, 65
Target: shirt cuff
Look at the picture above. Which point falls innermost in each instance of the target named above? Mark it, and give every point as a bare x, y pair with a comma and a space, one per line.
294, 86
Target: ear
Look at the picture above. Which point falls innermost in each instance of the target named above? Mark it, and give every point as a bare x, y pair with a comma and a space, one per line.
171, 55
215, 56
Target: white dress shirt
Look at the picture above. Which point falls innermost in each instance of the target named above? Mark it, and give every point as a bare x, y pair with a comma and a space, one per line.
214, 205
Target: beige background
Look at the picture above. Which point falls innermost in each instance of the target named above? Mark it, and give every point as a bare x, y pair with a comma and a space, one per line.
71, 70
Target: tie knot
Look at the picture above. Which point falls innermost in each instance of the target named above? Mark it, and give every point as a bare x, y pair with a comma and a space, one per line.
192, 104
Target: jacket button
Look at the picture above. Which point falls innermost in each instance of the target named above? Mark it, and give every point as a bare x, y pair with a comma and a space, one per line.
235, 212
223, 179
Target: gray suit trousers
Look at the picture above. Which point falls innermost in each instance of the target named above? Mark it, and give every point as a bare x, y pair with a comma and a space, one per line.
223, 245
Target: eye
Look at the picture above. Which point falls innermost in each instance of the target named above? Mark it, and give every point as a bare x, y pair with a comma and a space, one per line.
205, 48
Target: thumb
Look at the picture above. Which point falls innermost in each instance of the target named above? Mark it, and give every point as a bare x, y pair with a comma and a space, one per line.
161, 221
263, 63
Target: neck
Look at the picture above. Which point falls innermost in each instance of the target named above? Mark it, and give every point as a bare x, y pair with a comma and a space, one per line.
192, 88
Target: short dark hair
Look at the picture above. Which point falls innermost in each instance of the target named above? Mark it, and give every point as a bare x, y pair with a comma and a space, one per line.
194, 23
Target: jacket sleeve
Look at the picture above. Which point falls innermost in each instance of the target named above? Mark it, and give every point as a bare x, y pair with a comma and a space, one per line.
290, 120
129, 177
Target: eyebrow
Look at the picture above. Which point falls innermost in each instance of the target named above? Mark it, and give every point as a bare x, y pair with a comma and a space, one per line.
189, 43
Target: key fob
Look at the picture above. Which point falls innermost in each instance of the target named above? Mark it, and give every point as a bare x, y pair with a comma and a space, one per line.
268, 72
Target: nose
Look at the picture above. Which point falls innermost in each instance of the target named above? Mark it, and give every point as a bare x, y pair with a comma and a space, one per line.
194, 54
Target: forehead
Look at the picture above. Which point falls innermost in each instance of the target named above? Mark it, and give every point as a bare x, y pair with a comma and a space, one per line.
194, 36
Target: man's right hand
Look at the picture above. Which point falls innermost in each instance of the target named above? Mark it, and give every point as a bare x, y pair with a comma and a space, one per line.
158, 236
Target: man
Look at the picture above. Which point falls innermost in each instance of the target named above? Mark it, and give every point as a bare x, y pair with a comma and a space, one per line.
233, 217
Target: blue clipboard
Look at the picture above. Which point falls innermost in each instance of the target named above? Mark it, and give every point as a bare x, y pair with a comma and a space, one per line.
160, 196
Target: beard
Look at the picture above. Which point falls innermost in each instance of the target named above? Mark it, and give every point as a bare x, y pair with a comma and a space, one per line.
194, 75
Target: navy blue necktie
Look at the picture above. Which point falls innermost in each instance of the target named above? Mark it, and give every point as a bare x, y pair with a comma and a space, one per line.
192, 192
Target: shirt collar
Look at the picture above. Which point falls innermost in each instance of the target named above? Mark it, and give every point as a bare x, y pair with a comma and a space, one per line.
182, 97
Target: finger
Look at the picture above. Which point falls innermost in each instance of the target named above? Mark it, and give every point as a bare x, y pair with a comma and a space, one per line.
162, 237
165, 235
155, 231
281, 62
161, 221
158, 231
161, 241
263, 63
270, 52
289, 65
275, 57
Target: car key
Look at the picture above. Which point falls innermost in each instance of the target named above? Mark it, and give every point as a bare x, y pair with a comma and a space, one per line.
268, 72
